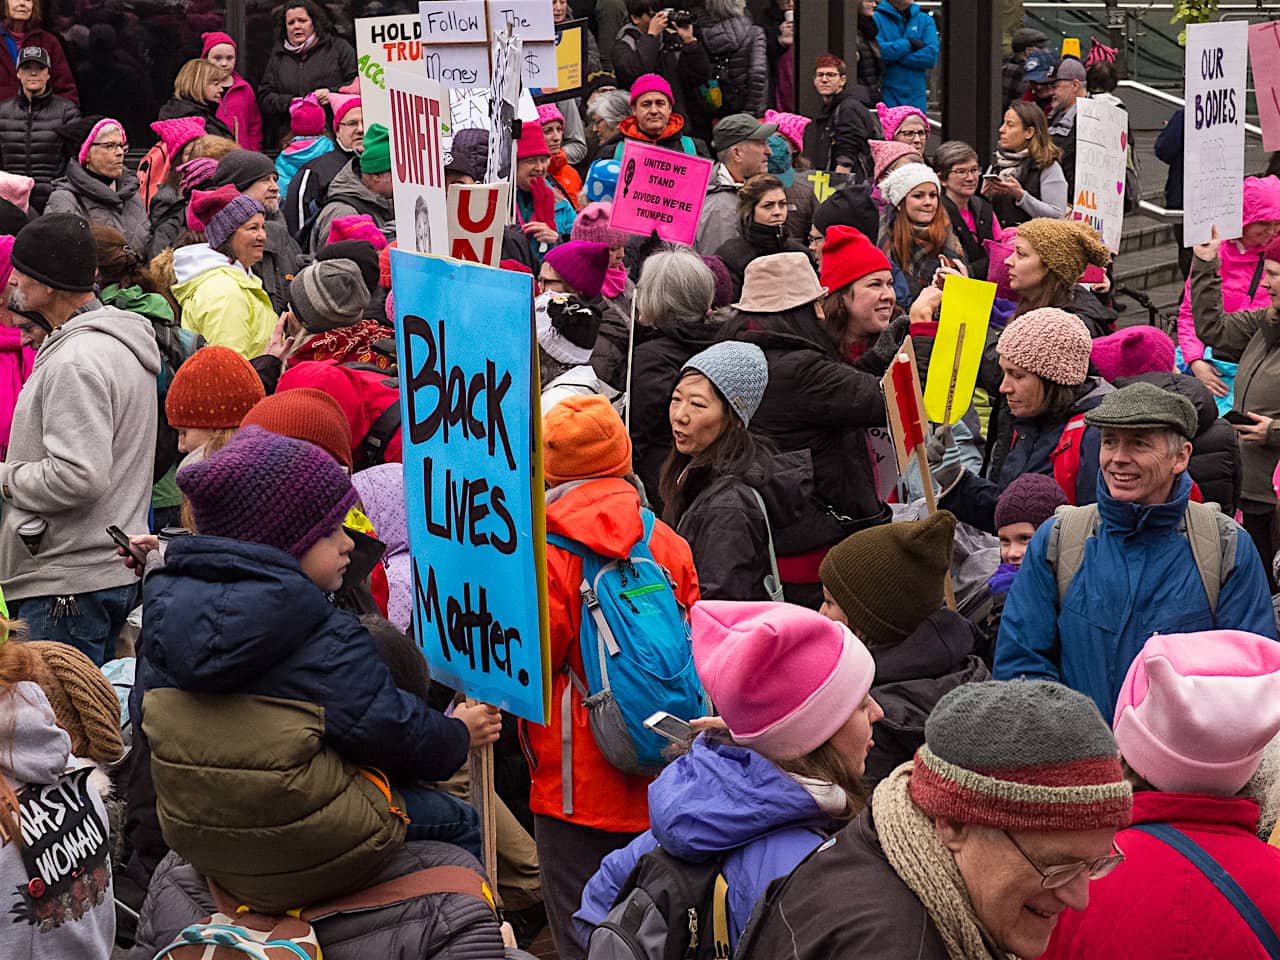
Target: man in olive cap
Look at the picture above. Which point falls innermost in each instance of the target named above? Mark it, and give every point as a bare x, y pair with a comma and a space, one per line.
1098, 581
741, 145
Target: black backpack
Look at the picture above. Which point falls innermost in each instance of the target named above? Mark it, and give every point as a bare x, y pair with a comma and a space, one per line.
176, 345
668, 909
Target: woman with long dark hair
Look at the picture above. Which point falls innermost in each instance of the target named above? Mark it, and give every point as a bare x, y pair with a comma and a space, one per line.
917, 235
308, 58
1025, 179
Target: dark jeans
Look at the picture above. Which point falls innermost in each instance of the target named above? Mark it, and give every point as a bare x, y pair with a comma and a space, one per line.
1260, 525
90, 622
569, 856
434, 815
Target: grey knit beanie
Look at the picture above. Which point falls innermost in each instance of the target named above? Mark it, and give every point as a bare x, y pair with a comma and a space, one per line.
738, 370
329, 294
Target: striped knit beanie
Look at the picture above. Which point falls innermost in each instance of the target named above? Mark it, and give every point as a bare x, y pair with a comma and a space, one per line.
1020, 755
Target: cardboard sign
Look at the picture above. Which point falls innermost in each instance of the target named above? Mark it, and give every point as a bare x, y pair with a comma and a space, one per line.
1102, 142
419, 109
571, 63
825, 183
477, 215
530, 20
903, 404
453, 21
383, 42
957, 348
884, 461
1264, 56
459, 67
1213, 143
660, 190
504, 108
458, 39
473, 478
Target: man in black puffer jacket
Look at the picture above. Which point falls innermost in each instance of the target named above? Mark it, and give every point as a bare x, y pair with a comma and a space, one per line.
29, 125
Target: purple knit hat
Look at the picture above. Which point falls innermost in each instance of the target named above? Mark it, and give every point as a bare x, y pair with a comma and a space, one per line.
1050, 343
269, 489
195, 172
582, 264
1031, 498
724, 282
1132, 351
220, 213
93, 135
593, 225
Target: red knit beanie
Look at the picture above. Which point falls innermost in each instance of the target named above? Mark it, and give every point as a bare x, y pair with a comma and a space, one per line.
307, 414
213, 390
532, 141
847, 256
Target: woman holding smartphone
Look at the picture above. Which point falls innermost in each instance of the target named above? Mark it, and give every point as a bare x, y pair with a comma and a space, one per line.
1025, 179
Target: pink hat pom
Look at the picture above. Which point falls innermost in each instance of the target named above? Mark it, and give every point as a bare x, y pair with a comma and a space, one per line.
784, 678
1196, 710
790, 125
548, 112
16, 189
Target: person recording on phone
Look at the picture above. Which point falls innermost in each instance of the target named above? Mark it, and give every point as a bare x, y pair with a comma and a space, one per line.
661, 39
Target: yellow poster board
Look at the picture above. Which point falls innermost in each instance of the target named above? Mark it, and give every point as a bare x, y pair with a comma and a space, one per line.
957, 349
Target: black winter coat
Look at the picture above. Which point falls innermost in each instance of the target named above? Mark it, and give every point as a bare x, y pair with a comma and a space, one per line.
817, 402
182, 107
736, 49
309, 188
168, 219
971, 240
636, 53
29, 141
840, 135
330, 64
870, 63
911, 677
759, 241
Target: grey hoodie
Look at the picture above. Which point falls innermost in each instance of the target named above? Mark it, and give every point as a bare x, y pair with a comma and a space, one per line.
55, 887
347, 195
81, 452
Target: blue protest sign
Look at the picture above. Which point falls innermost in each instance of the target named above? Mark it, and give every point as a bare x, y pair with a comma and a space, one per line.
473, 478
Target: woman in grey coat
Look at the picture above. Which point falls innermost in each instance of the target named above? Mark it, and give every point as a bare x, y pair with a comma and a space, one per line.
97, 186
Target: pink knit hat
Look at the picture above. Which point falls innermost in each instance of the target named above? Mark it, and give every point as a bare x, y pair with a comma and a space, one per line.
16, 189
790, 125
306, 116
93, 135
593, 224
891, 118
1132, 351
1050, 343
651, 83
884, 152
1196, 710
784, 678
548, 112
212, 39
582, 264
177, 133
356, 226
341, 104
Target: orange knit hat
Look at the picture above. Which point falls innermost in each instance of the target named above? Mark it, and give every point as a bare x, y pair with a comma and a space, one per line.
582, 438
212, 390
306, 414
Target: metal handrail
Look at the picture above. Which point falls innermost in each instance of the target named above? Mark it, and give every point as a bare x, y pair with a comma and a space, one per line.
1178, 101
1159, 212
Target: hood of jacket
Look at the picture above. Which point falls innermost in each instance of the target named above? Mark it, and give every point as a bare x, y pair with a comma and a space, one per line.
381, 490
300, 150
1261, 200
629, 128
783, 480
721, 180
39, 749
718, 797
197, 258
603, 515
134, 299
1203, 809
793, 330
940, 645
1183, 385
347, 184
134, 331
83, 184
245, 608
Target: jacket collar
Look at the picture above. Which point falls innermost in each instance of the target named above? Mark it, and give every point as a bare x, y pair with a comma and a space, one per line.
1157, 806
1128, 518
630, 129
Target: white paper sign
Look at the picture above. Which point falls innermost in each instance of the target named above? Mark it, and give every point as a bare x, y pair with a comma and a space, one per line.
383, 42
453, 21
1102, 140
459, 66
530, 20
1213, 145
477, 216
419, 108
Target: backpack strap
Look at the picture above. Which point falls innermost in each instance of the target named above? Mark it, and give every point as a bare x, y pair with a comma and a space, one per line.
420, 883
686, 144
720, 917
1257, 277
1203, 861
373, 448
1213, 537
772, 582
1072, 528
1066, 456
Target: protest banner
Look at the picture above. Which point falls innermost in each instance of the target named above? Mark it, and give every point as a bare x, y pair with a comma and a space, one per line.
957, 348
1102, 143
660, 190
419, 107
477, 215
1264, 57
571, 63
473, 478
1213, 141
383, 42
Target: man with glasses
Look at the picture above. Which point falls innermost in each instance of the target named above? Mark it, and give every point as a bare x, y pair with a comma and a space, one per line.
1068, 81
838, 139
975, 848
307, 188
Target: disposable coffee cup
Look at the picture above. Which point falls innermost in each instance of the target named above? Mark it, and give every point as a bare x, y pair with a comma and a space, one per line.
172, 533
32, 533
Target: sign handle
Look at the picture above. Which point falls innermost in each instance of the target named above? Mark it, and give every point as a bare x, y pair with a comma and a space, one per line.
931, 503
482, 798
955, 373
631, 349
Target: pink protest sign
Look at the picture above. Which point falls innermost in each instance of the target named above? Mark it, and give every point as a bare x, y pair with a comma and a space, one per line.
1264, 55
661, 190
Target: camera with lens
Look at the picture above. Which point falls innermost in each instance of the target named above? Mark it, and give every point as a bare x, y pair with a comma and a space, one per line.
681, 18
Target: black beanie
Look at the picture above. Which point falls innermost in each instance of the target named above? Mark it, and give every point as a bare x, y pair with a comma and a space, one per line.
12, 219
242, 169
360, 252
58, 251
850, 206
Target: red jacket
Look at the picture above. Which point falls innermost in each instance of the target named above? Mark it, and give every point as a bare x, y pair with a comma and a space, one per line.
362, 394
1157, 906
605, 516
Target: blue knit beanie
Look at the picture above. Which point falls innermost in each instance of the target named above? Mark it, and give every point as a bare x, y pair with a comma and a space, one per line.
738, 370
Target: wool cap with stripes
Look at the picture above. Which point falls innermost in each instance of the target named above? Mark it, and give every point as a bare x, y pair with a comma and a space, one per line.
1020, 755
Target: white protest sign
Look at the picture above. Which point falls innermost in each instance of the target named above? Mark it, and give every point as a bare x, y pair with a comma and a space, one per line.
453, 21
383, 42
1213, 145
459, 66
1102, 139
419, 107
477, 215
530, 20
458, 40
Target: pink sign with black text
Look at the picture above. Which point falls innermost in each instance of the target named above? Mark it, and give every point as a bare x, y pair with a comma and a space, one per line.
662, 190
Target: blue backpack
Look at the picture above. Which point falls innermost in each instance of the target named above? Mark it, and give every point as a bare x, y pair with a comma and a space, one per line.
638, 656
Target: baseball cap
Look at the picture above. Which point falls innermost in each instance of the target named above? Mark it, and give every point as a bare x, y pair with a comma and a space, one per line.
34, 54
1069, 69
1037, 67
738, 127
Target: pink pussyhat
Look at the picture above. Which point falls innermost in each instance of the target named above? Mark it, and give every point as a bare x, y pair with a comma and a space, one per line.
891, 118
783, 678
341, 104
885, 152
16, 189
790, 125
177, 132
98, 127
1196, 710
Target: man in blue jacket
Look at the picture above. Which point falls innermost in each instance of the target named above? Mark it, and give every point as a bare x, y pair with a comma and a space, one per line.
1144, 568
909, 46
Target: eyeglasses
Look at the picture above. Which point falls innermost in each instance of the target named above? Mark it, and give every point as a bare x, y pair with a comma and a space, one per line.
1061, 874
349, 124
913, 134
826, 75
111, 145
965, 171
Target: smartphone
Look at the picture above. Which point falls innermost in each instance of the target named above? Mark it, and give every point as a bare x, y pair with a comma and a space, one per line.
122, 540
670, 726
992, 176
1238, 418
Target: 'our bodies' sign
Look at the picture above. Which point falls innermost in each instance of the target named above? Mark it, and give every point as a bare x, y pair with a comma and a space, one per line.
419, 111
1102, 141
1213, 144
660, 190
383, 42
473, 478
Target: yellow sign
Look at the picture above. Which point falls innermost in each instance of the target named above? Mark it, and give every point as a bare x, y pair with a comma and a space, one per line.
570, 43
957, 348
1071, 47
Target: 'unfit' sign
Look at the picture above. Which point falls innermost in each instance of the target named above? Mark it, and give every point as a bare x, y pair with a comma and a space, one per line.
660, 190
